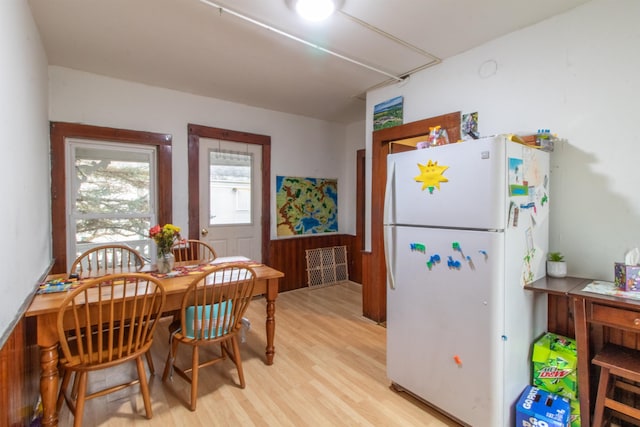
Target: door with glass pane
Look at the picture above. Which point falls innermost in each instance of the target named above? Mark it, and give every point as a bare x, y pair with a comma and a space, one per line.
230, 202
111, 196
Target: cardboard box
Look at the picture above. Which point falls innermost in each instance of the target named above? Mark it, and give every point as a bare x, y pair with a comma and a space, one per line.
538, 407
627, 277
555, 360
575, 419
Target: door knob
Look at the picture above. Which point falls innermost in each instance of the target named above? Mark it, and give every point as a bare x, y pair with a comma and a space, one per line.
204, 231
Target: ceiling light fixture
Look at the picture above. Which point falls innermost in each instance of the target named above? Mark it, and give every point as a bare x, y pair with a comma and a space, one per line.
315, 10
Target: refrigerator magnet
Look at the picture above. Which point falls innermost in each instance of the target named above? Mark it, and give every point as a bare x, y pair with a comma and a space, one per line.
431, 175
433, 260
417, 247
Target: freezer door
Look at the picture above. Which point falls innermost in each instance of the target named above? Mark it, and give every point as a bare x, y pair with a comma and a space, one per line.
457, 185
445, 321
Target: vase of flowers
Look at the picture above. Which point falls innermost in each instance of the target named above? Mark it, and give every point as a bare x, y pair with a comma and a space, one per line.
165, 237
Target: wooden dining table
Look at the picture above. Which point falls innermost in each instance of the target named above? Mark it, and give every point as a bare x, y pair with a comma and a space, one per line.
44, 308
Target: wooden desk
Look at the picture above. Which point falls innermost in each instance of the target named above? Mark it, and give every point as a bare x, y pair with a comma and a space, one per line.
622, 314
592, 309
44, 308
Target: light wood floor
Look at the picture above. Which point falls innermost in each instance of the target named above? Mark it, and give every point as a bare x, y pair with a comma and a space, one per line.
329, 370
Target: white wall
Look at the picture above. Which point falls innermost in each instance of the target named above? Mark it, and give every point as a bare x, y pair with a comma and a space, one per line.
301, 146
25, 252
576, 74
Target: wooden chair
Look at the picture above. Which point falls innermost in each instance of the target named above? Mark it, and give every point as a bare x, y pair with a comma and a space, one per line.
107, 259
619, 370
193, 250
190, 250
211, 314
97, 339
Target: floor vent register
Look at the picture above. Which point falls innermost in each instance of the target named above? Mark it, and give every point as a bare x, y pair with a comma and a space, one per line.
327, 266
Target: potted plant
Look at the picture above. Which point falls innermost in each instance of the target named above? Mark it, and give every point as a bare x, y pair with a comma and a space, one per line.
556, 265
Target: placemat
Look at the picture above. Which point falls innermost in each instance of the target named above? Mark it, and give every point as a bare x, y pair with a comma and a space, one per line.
609, 288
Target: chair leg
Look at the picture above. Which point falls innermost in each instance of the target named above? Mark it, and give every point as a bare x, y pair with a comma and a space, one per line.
63, 389
144, 387
238, 360
152, 369
82, 392
171, 357
603, 386
194, 377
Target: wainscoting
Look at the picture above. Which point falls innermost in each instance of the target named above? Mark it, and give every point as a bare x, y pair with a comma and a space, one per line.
289, 256
19, 377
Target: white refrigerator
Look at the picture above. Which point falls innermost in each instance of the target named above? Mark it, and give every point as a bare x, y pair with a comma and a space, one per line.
466, 226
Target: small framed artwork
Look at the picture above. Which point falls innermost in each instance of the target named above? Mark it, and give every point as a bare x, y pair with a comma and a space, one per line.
388, 113
469, 126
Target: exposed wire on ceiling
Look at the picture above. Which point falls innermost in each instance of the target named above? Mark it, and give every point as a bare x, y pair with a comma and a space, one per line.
222, 9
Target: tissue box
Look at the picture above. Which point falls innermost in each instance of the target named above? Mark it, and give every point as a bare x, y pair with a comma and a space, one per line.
540, 408
555, 361
627, 277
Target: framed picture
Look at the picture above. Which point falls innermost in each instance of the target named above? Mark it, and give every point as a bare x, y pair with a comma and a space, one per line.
306, 205
388, 113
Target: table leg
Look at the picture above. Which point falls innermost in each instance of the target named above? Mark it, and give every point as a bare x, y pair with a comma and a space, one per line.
272, 294
584, 360
49, 384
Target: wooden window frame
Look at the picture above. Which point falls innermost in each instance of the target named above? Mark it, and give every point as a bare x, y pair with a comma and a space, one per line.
198, 131
60, 132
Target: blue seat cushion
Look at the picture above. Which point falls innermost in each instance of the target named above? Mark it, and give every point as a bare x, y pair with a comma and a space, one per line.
195, 313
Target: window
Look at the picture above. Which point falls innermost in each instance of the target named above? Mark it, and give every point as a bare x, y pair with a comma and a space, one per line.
98, 140
229, 187
110, 195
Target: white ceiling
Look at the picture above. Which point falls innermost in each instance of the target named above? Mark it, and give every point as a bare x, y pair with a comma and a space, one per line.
191, 46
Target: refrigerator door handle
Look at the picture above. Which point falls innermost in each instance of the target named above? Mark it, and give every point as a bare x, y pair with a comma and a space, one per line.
388, 194
388, 251
388, 229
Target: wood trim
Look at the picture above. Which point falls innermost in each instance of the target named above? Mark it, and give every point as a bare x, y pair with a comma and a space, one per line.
375, 304
59, 133
368, 302
195, 133
358, 242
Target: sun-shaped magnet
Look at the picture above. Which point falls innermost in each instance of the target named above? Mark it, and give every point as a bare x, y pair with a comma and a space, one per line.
431, 175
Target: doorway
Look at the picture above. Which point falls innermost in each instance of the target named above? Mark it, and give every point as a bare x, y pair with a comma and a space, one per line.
230, 197
246, 142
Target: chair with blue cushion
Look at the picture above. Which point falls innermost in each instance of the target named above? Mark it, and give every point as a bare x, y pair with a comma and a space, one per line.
211, 314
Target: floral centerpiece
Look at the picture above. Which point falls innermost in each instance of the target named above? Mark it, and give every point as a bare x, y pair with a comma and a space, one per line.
165, 237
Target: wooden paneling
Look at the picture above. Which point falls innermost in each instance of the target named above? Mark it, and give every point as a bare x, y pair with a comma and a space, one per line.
367, 292
560, 316
289, 256
18, 378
